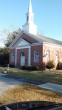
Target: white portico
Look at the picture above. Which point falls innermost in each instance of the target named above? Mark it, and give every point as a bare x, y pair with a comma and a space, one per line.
23, 44
29, 26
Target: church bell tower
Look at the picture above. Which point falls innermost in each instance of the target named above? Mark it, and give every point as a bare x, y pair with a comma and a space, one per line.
29, 26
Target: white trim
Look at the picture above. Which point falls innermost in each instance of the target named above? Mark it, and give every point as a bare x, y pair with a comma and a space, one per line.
36, 56
35, 44
17, 42
21, 40
29, 53
22, 59
15, 39
53, 44
23, 47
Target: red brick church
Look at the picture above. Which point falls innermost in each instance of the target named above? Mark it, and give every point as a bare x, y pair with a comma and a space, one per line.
30, 48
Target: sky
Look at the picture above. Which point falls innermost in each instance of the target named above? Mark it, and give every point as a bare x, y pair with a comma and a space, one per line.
47, 17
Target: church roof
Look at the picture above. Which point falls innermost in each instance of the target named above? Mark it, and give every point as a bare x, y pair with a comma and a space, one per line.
49, 40
41, 38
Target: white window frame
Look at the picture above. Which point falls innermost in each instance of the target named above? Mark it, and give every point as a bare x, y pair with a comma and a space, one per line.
57, 56
36, 56
47, 55
12, 57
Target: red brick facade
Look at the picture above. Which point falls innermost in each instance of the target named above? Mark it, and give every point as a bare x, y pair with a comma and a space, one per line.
42, 48
53, 49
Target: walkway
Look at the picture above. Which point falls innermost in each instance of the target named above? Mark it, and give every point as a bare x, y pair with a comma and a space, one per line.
52, 86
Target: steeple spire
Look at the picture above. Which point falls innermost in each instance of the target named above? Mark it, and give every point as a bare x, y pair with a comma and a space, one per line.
29, 25
30, 13
30, 8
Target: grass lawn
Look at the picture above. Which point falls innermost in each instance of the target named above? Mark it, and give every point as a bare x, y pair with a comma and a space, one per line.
28, 92
46, 76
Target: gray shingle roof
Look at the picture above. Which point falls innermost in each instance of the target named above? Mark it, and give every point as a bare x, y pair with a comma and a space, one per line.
45, 39
49, 40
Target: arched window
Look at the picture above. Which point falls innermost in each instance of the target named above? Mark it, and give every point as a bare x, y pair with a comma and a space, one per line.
47, 55
57, 56
12, 57
36, 56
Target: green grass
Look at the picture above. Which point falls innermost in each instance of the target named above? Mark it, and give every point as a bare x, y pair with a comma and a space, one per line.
46, 76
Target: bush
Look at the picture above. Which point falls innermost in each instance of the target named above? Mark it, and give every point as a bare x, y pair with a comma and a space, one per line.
50, 65
34, 68
42, 66
26, 67
59, 66
12, 65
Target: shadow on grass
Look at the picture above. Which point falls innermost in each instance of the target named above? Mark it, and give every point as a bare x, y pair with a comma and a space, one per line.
32, 105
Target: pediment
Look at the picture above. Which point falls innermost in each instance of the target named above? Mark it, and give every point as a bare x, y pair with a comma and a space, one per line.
22, 42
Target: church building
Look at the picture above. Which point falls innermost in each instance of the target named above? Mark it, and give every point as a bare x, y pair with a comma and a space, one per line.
30, 48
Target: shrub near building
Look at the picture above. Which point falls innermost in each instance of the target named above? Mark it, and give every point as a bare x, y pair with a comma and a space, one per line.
50, 65
31, 68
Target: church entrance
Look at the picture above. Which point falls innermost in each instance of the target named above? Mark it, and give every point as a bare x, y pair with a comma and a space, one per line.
22, 59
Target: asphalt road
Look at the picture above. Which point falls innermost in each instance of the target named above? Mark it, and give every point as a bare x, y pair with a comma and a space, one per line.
8, 81
26, 80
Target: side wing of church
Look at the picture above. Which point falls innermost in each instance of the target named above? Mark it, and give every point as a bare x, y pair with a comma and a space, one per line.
29, 48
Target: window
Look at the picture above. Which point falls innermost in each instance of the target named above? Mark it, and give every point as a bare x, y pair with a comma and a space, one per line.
36, 56
12, 57
47, 55
57, 56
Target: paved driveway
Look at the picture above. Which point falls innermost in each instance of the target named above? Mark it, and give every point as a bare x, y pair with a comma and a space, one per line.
7, 82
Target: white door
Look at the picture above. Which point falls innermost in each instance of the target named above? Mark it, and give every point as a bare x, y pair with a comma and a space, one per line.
22, 60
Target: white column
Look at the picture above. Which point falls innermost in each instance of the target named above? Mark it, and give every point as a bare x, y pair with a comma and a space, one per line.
29, 56
15, 57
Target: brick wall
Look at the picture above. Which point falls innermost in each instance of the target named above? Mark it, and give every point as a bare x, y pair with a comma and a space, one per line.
52, 50
40, 48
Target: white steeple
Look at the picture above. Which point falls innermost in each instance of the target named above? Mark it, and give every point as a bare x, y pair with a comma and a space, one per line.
29, 25
30, 8
30, 13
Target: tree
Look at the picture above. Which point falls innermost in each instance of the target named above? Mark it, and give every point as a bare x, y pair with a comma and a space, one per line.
50, 65
11, 37
4, 56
